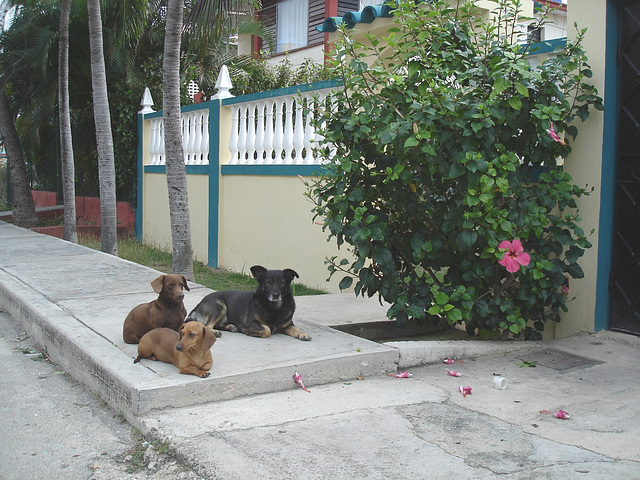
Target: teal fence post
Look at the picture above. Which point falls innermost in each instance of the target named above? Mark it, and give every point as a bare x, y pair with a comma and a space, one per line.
140, 170
214, 182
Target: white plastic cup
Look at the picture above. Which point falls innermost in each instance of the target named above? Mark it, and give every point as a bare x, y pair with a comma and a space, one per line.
500, 383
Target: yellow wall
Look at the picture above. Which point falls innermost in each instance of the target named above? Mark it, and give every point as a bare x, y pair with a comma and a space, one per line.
585, 165
266, 220
156, 225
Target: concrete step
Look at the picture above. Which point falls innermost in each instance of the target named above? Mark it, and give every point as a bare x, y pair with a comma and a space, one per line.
73, 301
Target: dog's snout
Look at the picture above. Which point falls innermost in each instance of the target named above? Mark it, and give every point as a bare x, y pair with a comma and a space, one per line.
179, 347
274, 296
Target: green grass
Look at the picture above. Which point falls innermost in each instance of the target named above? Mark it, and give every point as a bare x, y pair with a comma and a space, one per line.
215, 278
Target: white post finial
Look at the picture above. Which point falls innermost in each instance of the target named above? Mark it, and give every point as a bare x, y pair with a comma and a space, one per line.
223, 84
146, 102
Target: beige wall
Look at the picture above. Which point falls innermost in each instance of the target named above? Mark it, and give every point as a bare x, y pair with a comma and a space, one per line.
585, 164
156, 226
267, 220
264, 220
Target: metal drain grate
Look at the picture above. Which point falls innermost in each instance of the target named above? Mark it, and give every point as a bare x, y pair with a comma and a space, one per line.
558, 360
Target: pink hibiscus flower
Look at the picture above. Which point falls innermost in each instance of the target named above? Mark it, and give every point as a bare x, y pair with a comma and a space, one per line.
552, 133
514, 256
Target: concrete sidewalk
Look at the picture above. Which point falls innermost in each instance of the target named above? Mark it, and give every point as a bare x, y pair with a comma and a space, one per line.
249, 419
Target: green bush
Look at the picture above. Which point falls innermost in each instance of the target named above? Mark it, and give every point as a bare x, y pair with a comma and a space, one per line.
444, 147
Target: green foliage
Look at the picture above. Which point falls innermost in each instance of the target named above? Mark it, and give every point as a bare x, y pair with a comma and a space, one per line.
435, 142
259, 76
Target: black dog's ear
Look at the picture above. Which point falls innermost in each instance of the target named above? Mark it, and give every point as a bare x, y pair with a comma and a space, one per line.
257, 271
290, 274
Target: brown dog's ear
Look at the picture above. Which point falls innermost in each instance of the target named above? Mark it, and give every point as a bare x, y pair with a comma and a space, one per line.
208, 338
157, 284
184, 282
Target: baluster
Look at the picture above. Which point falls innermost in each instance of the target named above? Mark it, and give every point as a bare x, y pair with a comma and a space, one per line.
161, 155
204, 141
298, 132
184, 119
197, 138
333, 105
242, 136
260, 133
317, 138
309, 133
268, 133
153, 142
233, 138
278, 135
251, 133
288, 130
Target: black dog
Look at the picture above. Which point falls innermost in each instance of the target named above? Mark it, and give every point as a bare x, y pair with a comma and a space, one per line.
261, 313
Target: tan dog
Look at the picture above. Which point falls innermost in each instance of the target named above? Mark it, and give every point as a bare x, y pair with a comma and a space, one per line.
189, 350
166, 311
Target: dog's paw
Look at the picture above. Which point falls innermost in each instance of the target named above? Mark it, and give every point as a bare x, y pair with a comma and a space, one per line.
232, 328
217, 333
204, 374
304, 336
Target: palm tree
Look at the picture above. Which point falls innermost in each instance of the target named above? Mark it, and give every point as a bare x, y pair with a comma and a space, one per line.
70, 232
176, 173
24, 212
104, 138
206, 17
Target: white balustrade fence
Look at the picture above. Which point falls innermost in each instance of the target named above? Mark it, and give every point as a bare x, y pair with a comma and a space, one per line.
195, 138
272, 130
277, 130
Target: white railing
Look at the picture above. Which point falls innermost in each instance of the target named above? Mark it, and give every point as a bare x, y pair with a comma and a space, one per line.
195, 138
275, 130
265, 130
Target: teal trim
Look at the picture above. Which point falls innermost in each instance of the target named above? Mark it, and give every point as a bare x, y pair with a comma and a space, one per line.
547, 47
308, 87
197, 169
608, 175
214, 183
350, 19
139, 182
273, 170
190, 169
148, 116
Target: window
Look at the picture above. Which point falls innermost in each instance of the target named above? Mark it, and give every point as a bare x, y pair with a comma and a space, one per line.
366, 3
292, 25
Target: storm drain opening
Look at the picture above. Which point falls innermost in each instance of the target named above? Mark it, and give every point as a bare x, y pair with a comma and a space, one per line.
390, 331
558, 360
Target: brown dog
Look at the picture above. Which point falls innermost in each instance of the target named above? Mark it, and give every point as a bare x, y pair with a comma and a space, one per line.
189, 350
166, 311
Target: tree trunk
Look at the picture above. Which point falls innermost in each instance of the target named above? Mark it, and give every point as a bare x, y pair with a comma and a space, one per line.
104, 139
70, 232
176, 172
24, 211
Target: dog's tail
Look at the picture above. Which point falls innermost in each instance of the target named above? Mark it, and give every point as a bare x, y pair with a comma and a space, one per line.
193, 316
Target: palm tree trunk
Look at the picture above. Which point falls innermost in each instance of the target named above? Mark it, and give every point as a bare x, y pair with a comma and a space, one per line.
176, 172
70, 232
24, 211
104, 139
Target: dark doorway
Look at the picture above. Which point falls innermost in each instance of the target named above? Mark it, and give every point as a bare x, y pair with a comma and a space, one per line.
625, 274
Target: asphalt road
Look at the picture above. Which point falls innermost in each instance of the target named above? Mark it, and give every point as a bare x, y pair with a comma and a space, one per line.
52, 427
